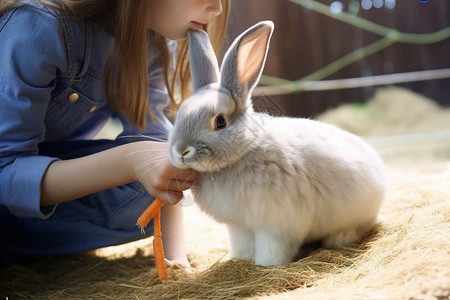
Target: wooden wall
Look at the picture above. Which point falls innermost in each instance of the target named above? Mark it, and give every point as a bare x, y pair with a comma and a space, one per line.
305, 41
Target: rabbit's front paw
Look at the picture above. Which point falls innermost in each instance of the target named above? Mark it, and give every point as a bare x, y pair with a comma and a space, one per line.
242, 243
244, 253
270, 251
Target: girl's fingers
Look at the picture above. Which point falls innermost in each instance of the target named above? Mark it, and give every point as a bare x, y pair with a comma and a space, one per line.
167, 182
176, 180
180, 174
173, 197
169, 197
172, 193
185, 175
179, 185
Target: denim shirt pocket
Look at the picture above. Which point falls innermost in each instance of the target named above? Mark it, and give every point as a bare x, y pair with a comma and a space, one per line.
67, 112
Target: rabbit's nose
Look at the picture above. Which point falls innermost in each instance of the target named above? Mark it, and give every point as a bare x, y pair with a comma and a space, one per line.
180, 154
188, 152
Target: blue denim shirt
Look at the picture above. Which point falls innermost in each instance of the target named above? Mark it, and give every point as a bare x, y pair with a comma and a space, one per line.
51, 89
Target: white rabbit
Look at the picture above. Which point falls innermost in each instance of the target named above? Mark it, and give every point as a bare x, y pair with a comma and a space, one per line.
275, 182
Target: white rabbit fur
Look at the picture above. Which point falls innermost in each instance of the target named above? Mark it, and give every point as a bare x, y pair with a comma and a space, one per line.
276, 182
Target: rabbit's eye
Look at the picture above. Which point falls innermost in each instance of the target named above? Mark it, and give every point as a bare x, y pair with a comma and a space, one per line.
220, 122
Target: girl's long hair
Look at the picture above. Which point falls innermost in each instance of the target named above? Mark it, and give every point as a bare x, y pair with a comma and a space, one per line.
126, 74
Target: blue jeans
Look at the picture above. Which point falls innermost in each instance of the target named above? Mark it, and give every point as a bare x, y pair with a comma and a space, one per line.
102, 219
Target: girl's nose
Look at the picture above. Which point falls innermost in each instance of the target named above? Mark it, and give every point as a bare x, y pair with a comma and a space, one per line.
214, 7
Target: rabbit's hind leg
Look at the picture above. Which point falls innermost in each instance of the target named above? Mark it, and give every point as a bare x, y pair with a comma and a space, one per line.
347, 236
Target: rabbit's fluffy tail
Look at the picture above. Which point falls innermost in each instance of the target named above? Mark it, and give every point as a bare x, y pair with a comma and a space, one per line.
347, 236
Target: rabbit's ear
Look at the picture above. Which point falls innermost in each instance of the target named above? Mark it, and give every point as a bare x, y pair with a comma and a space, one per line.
244, 62
202, 60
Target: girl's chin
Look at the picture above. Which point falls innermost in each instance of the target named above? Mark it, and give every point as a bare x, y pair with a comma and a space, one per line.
178, 36
181, 33
174, 38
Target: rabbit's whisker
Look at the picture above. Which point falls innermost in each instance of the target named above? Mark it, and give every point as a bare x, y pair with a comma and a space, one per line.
148, 137
157, 151
154, 161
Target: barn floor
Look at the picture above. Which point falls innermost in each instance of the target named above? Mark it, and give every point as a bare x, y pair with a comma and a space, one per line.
406, 256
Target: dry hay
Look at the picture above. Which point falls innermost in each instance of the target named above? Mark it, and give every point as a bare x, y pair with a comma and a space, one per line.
395, 112
407, 256
392, 111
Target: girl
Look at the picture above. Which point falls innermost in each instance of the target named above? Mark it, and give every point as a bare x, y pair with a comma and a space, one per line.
66, 67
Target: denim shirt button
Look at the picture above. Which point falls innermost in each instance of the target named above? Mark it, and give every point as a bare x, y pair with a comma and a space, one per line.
93, 108
73, 97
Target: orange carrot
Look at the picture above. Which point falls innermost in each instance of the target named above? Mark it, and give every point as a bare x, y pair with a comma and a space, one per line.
158, 248
149, 213
153, 211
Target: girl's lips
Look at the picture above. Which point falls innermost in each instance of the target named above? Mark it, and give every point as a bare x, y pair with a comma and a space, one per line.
198, 25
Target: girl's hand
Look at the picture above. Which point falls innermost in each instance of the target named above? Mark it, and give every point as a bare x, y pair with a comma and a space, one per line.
150, 165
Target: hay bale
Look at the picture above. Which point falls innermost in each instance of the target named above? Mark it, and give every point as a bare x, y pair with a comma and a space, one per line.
392, 111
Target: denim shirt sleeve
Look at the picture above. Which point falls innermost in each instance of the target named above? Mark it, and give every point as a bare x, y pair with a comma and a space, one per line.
32, 54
